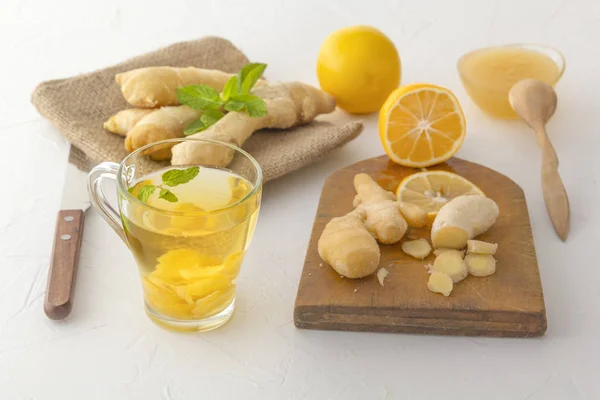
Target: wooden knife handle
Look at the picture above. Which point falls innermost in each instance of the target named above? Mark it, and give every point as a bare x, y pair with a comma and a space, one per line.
63, 265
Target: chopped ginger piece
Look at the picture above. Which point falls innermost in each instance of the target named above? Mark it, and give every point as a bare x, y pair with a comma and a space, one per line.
440, 283
418, 249
381, 274
189, 284
451, 264
480, 264
480, 247
441, 250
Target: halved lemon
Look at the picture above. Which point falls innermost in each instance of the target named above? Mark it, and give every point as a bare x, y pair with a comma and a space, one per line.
430, 190
421, 125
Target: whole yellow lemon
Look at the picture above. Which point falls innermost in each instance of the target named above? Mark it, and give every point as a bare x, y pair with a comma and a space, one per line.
359, 66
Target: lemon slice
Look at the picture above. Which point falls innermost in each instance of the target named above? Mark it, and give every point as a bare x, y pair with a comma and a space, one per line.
430, 190
421, 125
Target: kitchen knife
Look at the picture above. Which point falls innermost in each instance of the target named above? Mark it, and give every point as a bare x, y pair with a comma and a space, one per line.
67, 242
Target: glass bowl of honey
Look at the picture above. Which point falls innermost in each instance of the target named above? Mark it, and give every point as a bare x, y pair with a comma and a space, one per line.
488, 74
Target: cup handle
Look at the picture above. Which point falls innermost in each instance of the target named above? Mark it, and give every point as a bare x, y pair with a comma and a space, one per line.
105, 170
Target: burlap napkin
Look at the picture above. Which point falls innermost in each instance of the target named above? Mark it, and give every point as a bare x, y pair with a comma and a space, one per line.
79, 105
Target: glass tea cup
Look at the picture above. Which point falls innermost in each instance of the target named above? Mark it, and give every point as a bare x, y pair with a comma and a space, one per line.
188, 228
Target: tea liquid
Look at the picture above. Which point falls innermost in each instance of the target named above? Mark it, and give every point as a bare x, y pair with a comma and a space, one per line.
190, 251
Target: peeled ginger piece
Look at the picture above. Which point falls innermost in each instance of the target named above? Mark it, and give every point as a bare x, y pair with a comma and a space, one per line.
461, 219
480, 264
440, 283
187, 222
480, 247
418, 249
173, 262
214, 302
189, 284
204, 287
451, 264
186, 258
441, 250
164, 300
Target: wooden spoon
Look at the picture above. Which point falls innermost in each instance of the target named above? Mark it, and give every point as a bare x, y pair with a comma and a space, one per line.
535, 103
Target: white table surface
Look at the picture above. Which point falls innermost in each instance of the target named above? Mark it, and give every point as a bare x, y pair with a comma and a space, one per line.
108, 349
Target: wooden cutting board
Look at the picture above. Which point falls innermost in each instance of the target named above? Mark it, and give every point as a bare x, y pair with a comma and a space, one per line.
509, 303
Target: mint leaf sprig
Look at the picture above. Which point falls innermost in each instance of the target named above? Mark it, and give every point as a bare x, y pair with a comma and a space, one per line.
171, 178
236, 96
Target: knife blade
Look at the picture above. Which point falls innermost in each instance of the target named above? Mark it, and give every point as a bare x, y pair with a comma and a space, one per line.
67, 244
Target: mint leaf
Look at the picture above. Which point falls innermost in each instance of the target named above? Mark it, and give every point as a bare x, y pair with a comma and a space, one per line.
145, 192
168, 196
211, 116
234, 105
176, 177
231, 88
194, 127
253, 105
208, 118
249, 75
256, 107
199, 97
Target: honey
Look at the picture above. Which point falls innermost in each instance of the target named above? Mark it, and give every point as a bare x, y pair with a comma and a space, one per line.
488, 74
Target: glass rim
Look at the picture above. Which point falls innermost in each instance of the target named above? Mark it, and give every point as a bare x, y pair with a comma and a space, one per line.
541, 48
130, 197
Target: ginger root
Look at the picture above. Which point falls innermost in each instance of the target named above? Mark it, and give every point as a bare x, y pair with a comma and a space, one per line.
348, 243
157, 86
161, 124
418, 249
440, 283
348, 247
451, 264
480, 247
414, 215
288, 105
480, 264
124, 121
384, 219
461, 219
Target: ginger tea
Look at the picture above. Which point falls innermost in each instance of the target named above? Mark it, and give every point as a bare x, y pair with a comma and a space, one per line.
190, 242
